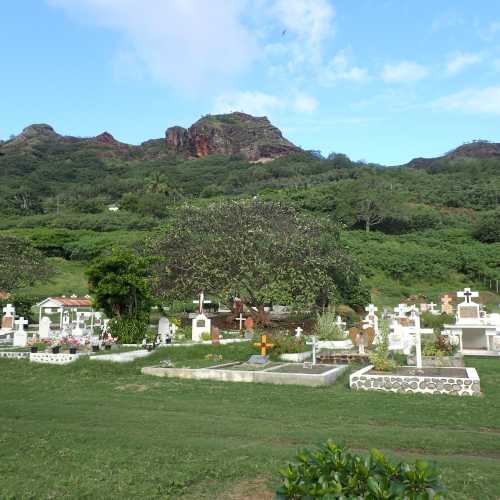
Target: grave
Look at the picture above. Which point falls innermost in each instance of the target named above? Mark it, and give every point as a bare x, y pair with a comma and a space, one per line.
20, 335
8, 318
475, 332
201, 323
164, 331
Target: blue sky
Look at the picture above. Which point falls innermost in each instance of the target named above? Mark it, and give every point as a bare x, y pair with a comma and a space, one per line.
383, 81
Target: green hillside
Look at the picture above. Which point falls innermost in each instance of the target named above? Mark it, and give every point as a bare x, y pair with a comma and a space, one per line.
416, 229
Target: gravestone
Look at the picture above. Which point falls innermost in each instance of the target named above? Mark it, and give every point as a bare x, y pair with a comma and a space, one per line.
44, 328
20, 336
163, 330
200, 325
8, 319
446, 305
298, 332
249, 328
258, 360
215, 335
362, 337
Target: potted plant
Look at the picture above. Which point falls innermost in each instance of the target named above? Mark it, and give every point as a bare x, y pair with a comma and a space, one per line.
32, 344
56, 347
73, 344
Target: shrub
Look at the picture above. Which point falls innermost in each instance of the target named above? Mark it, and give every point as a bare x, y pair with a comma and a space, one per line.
285, 343
129, 331
379, 357
206, 336
325, 327
333, 472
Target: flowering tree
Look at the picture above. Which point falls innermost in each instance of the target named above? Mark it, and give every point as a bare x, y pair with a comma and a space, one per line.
262, 252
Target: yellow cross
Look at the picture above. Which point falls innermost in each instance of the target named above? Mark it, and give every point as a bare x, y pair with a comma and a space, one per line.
264, 346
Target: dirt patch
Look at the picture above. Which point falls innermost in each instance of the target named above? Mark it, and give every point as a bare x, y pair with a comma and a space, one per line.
248, 489
133, 387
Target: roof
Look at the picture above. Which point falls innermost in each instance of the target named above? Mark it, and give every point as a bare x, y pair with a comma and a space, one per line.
70, 302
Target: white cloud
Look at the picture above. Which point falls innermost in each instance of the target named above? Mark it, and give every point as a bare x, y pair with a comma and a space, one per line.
339, 69
180, 42
483, 101
254, 103
304, 103
404, 72
260, 103
462, 60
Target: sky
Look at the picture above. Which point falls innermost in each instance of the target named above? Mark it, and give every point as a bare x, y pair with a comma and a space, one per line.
379, 80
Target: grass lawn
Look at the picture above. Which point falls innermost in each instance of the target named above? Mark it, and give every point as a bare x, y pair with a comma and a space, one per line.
102, 430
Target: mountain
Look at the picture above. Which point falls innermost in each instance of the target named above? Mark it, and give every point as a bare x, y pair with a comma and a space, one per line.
252, 138
476, 149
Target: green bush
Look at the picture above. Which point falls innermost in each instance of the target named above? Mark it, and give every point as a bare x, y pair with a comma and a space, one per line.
379, 357
333, 472
129, 331
285, 343
326, 328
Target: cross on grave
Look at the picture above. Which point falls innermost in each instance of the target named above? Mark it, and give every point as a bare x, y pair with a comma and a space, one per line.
20, 324
401, 310
446, 306
9, 310
201, 300
371, 309
298, 331
263, 345
340, 324
313, 343
467, 295
241, 320
432, 308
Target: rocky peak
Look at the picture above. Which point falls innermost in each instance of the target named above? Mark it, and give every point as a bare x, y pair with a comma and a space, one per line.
235, 133
105, 138
40, 130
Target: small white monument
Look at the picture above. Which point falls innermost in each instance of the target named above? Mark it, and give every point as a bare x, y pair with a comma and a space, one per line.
164, 330
44, 328
298, 332
371, 319
20, 336
201, 324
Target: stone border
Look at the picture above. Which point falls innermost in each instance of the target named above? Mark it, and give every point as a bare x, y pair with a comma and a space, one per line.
296, 357
122, 357
410, 384
14, 354
53, 359
264, 377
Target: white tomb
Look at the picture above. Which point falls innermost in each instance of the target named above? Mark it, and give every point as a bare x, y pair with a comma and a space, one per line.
8, 319
20, 335
201, 323
44, 328
404, 328
164, 330
476, 332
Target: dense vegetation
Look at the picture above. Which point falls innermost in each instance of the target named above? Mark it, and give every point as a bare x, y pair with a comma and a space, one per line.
412, 229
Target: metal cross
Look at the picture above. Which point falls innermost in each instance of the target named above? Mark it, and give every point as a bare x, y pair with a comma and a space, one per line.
263, 345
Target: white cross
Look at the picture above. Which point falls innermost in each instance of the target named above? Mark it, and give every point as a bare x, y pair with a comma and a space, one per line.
21, 322
313, 343
298, 331
340, 324
401, 310
371, 309
432, 307
241, 319
9, 310
201, 300
173, 329
467, 295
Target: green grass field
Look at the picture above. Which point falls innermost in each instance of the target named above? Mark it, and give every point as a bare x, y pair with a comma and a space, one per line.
99, 430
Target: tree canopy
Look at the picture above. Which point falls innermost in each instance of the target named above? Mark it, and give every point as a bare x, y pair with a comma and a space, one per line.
120, 285
262, 252
21, 264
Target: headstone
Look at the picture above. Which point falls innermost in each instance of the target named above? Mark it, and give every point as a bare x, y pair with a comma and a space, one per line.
163, 330
313, 343
362, 337
467, 295
258, 360
200, 325
44, 328
20, 336
298, 332
432, 309
173, 329
8, 318
446, 304
249, 328
215, 335
340, 324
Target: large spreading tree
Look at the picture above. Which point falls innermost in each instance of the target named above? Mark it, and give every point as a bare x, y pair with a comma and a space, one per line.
21, 264
261, 252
